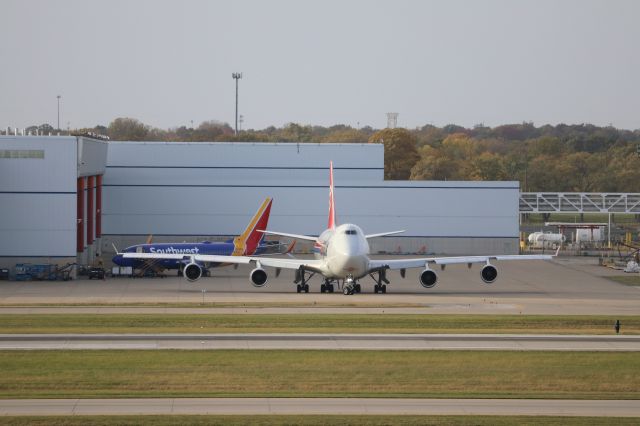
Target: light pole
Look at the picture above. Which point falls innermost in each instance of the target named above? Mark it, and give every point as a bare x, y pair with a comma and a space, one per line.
236, 76
58, 111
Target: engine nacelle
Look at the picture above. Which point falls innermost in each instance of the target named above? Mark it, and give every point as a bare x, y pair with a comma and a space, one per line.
489, 273
192, 272
428, 278
258, 277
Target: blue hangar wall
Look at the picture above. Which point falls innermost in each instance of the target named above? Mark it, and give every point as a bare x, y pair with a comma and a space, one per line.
181, 191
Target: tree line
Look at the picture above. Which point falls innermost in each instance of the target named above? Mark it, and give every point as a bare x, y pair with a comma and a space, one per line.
560, 158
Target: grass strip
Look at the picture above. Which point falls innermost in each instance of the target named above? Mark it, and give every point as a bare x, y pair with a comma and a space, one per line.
282, 373
218, 304
313, 323
317, 420
632, 280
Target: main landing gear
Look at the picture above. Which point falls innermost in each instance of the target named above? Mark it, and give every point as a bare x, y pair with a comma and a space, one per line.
327, 287
382, 277
380, 288
301, 280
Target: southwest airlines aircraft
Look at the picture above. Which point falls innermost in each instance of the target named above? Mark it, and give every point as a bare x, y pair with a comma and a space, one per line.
249, 243
341, 255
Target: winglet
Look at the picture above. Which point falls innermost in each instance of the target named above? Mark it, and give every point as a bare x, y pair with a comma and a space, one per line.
332, 208
291, 246
247, 242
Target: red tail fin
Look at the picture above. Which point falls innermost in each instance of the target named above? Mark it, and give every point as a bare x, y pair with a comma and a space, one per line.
332, 207
248, 241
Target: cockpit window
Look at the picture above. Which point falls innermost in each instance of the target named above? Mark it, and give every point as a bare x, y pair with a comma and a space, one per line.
351, 232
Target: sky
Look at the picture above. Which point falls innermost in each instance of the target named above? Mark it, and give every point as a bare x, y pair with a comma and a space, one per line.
168, 63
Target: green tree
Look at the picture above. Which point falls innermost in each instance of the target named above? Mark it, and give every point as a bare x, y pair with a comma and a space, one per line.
212, 130
581, 171
487, 166
400, 152
127, 129
348, 135
546, 173
546, 145
430, 135
434, 165
294, 132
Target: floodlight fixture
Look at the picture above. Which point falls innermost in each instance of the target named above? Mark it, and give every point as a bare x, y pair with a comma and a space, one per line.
236, 76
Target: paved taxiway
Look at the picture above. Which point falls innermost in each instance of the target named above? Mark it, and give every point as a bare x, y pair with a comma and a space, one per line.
319, 406
562, 286
320, 342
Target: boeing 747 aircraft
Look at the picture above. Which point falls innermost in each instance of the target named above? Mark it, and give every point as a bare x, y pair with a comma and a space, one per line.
250, 242
341, 255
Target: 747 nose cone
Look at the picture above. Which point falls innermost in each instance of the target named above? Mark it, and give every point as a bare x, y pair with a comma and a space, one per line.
348, 265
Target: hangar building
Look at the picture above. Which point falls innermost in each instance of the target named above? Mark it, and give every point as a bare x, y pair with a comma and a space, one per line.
49, 198
180, 191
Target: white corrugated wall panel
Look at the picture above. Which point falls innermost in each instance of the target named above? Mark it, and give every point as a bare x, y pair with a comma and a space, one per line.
214, 189
38, 225
38, 198
233, 154
55, 173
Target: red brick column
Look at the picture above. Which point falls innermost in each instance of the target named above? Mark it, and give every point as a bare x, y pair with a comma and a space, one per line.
98, 206
90, 208
80, 216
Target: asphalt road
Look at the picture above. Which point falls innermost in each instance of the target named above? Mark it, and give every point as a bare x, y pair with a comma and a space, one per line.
562, 286
319, 406
320, 342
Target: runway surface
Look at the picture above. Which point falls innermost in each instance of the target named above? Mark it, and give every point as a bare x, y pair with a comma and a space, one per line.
562, 286
319, 406
319, 342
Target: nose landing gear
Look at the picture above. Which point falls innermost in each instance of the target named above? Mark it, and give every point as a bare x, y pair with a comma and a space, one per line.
351, 286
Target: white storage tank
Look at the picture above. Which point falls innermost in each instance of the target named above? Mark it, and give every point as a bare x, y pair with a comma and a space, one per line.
545, 239
594, 235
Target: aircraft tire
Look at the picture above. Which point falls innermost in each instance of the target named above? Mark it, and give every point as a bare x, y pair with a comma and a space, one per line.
306, 288
323, 288
298, 288
384, 289
331, 289
357, 288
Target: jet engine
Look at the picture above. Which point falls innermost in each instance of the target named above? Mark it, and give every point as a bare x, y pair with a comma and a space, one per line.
258, 277
489, 273
428, 278
192, 272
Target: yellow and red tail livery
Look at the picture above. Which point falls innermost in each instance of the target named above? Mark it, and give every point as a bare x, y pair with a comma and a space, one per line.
247, 242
